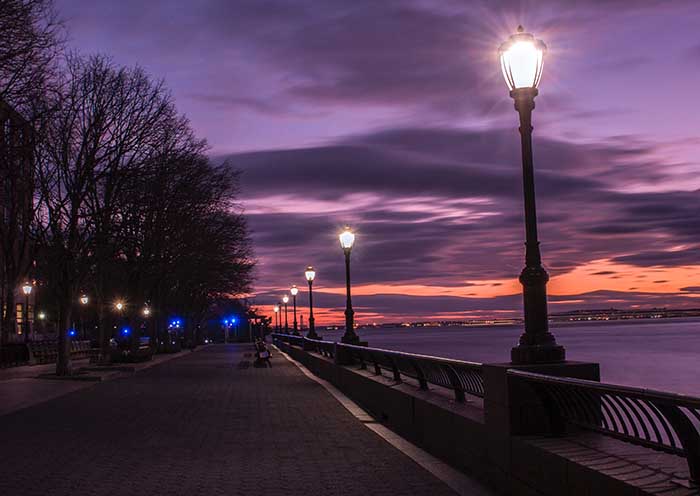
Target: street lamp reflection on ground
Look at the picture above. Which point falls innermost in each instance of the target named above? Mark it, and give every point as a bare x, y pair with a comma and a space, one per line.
285, 300
27, 290
347, 240
310, 275
294, 290
522, 57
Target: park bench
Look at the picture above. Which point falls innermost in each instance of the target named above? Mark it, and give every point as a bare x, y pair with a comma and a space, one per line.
13, 354
42, 352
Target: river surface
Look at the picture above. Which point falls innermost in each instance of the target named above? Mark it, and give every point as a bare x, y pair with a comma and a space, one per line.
656, 354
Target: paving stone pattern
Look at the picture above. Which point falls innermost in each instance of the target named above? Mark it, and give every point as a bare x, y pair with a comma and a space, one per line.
202, 424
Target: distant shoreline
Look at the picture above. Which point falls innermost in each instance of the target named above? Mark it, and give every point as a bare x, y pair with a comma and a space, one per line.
611, 316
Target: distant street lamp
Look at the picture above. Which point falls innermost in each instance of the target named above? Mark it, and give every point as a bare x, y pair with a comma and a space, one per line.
521, 61
84, 300
276, 309
310, 275
347, 240
146, 312
285, 300
119, 306
27, 290
294, 290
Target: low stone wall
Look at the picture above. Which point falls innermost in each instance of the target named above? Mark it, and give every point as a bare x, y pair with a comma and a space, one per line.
498, 440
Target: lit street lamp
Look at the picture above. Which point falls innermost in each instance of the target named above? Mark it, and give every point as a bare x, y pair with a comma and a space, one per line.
310, 275
294, 290
276, 309
521, 61
347, 239
27, 290
146, 312
84, 300
119, 306
285, 300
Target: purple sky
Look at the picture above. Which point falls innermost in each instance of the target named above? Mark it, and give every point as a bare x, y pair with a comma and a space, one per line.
392, 116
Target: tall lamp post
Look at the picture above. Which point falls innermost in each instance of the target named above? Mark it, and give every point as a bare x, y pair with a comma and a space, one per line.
84, 300
27, 290
285, 300
294, 290
310, 275
276, 309
521, 61
347, 239
119, 307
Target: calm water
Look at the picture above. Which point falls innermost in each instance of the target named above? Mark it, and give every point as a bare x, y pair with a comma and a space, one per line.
654, 354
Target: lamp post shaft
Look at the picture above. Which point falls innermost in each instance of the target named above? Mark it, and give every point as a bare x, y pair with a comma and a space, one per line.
26, 317
312, 323
349, 336
537, 344
294, 305
286, 325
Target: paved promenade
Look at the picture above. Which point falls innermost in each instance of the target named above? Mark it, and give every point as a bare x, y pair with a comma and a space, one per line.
206, 423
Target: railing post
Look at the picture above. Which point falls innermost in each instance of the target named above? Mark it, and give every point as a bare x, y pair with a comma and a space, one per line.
687, 434
456, 385
420, 375
394, 368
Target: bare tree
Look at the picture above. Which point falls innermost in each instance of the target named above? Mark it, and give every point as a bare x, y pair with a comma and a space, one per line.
29, 44
100, 133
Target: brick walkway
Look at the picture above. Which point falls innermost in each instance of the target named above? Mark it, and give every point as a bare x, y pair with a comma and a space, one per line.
202, 424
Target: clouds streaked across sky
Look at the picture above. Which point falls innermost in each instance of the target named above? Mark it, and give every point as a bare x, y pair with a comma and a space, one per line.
392, 116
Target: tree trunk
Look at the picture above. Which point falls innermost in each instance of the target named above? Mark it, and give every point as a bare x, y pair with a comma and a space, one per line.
9, 321
63, 362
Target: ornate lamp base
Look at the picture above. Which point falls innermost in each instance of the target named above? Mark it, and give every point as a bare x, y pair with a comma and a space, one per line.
531, 354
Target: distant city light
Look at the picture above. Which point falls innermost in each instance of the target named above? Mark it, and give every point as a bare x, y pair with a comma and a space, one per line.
126, 331
71, 332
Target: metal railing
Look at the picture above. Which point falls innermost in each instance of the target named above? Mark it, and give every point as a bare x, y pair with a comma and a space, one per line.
325, 348
659, 420
289, 338
459, 376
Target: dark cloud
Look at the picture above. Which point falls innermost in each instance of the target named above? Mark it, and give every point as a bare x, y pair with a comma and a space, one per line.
359, 111
442, 207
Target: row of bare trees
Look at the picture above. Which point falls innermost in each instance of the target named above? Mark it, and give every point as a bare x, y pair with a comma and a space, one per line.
126, 203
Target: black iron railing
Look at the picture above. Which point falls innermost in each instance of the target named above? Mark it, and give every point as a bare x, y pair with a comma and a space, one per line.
459, 376
325, 348
655, 419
